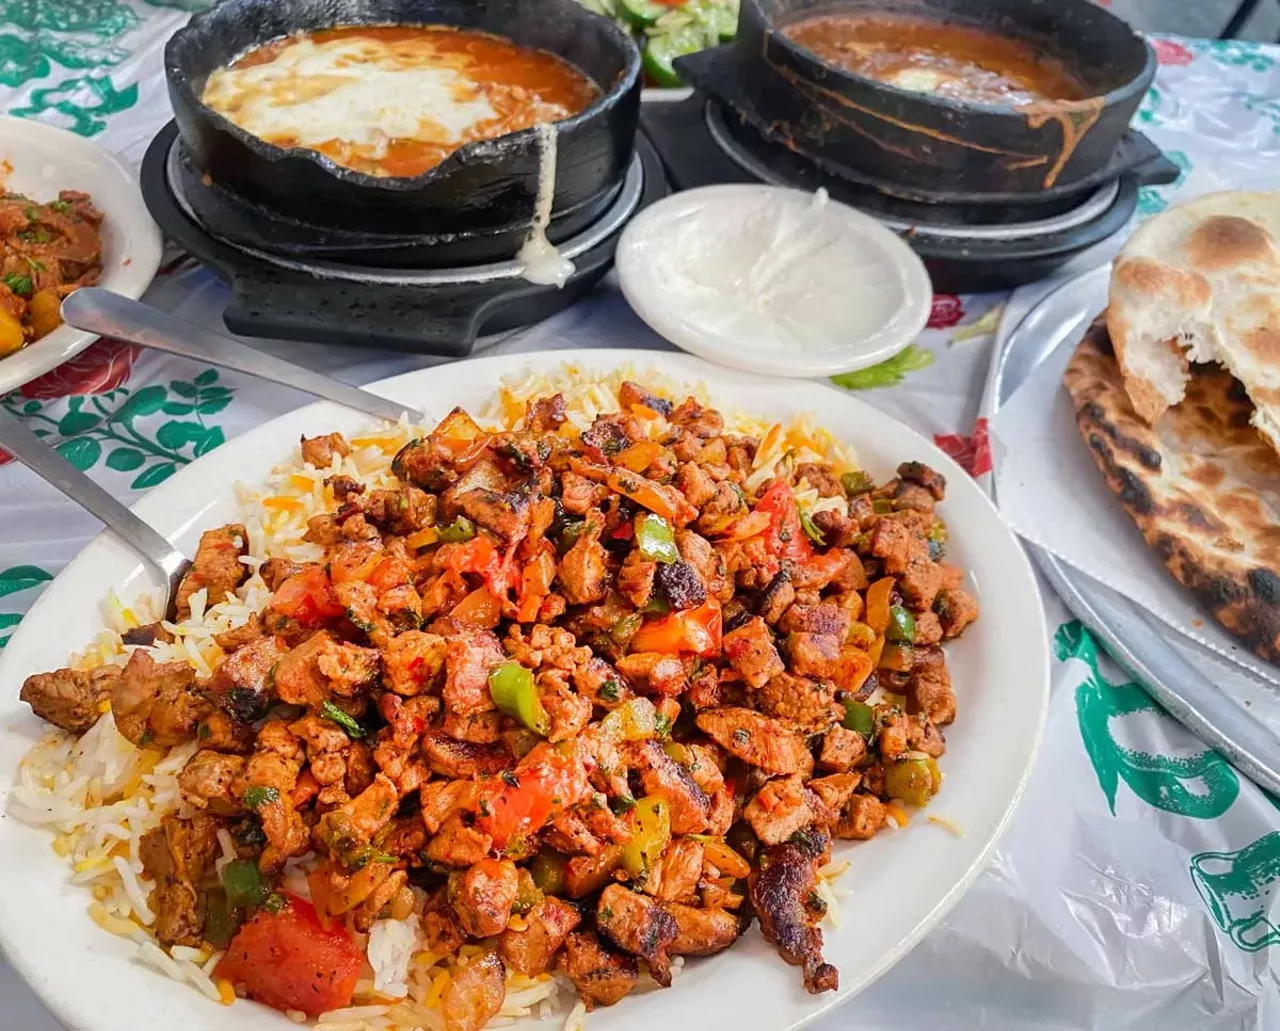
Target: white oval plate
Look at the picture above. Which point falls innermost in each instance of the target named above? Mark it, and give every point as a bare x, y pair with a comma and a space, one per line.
894, 286
45, 160
898, 886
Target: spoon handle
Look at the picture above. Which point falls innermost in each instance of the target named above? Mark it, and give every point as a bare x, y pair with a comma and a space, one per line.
50, 466
101, 311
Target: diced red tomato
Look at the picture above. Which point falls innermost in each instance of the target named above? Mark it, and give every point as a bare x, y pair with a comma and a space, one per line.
288, 961
481, 557
389, 573
786, 537
307, 597
693, 630
546, 781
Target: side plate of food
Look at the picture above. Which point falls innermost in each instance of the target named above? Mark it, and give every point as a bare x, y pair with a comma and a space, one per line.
74, 217
760, 651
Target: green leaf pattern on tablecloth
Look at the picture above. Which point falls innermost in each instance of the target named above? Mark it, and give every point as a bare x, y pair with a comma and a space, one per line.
1154, 199
44, 39
150, 432
15, 580
1232, 53
1201, 785
35, 35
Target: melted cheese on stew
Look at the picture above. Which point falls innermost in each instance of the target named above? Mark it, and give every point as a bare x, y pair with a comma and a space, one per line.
953, 61
394, 100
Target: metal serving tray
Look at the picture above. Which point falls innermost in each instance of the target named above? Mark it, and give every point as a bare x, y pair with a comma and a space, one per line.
1180, 674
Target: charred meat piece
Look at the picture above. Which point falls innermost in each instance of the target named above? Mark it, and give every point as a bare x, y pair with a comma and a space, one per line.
530, 951
243, 683
150, 633
681, 585
632, 394
207, 782
955, 609
582, 573
865, 816
506, 514
452, 758
176, 856
778, 810
772, 745
783, 896
750, 650
601, 975
636, 578
411, 661
806, 701
654, 673
482, 897
216, 569
322, 450
917, 472
703, 932
401, 511
266, 786
904, 550
776, 598
546, 414
639, 925
470, 653
69, 698
663, 776
842, 749
154, 703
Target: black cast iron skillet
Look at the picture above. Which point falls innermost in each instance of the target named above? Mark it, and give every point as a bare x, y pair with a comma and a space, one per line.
922, 142
486, 188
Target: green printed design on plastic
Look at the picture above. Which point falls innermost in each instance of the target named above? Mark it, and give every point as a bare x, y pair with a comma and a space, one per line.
1201, 786
1241, 889
81, 105
15, 580
35, 35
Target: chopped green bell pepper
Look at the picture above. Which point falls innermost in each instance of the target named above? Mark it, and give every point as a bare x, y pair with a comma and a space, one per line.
513, 691
655, 539
243, 883
461, 529
858, 716
914, 781
902, 626
649, 838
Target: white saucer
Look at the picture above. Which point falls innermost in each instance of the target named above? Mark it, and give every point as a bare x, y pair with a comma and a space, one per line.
841, 291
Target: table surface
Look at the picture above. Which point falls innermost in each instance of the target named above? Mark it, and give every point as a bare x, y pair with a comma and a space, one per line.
1096, 911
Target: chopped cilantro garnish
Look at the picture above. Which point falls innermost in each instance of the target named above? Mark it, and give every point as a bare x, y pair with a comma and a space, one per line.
256, 797
331, 712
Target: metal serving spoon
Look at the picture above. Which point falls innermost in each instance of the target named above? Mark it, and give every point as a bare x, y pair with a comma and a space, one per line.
166, 560
96, 310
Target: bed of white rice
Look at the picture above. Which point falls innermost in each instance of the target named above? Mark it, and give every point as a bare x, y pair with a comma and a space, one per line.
100, 794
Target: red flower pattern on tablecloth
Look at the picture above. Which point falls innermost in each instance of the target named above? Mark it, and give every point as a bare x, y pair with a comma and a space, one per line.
1169, 52
973, 453
945, 311
99, 369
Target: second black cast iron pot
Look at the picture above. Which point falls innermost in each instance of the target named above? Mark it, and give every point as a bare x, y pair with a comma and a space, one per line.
922, 142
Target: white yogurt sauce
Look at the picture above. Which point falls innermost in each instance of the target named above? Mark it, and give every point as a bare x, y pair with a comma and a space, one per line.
540, 261
772, 279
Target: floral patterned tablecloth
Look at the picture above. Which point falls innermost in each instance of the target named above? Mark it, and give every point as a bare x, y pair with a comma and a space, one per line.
1140, 882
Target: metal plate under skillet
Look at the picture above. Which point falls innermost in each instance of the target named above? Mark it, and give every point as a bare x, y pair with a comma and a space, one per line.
1180, 674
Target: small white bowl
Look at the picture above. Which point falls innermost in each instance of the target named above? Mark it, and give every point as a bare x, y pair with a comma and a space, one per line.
45, 160
774, 281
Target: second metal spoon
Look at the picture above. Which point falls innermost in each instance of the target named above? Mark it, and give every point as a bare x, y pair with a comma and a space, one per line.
96, 310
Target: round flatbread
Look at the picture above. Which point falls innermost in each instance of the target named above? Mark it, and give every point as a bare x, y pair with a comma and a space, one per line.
1202, 485
1201, 283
